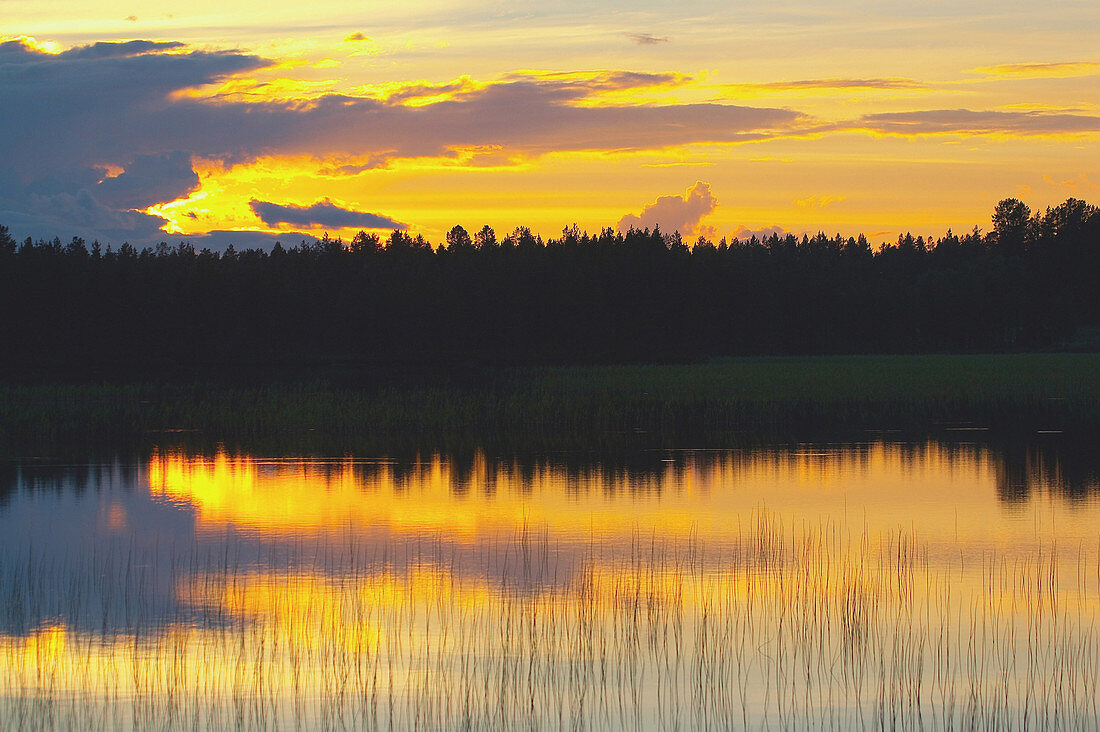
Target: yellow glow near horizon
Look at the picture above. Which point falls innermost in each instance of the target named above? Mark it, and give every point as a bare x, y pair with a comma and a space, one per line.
834, 69
556, 190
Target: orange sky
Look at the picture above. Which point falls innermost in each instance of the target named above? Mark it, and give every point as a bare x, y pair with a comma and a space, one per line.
848, 117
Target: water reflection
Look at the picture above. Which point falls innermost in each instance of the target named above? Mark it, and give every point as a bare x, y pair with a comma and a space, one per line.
924, 487
1069, 469
815, 585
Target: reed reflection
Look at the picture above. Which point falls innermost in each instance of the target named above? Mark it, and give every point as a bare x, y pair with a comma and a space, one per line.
870, 584
796, 626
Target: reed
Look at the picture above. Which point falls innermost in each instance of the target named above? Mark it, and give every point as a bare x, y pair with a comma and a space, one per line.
792, 627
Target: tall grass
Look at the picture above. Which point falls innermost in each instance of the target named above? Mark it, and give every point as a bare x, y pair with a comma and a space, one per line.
810, 627
591, 407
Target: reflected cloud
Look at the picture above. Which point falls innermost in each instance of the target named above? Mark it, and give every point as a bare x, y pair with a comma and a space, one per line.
307, 530
193, 586
372, 649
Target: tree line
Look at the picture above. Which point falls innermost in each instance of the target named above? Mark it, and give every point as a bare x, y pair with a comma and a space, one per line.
1029, 283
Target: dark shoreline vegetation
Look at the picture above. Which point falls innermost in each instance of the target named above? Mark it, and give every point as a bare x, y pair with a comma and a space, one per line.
509, 346
610, 409
643, 296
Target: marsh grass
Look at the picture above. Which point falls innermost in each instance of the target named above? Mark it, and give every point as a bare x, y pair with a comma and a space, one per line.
808, 627
571, 408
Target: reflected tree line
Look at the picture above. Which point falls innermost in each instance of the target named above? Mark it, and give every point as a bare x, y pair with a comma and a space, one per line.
1056, 465
1030, 282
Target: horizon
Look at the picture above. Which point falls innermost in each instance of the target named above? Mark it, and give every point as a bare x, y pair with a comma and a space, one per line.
242, 241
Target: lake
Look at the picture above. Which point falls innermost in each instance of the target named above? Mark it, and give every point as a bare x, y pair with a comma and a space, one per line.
947, 582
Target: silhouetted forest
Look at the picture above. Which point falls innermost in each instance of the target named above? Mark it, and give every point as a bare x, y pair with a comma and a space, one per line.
1031, 282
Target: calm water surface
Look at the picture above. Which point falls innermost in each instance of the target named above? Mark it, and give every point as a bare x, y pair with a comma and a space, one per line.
930, 585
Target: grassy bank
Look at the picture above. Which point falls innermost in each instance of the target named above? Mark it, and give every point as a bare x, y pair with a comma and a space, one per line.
591, 407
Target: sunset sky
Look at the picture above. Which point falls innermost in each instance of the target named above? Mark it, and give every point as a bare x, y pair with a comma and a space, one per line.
149, 121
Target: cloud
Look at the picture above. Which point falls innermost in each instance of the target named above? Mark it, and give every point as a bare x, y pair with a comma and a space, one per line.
324, 213
149, 179
744, 233
1064, 69
118, 49
645, 39
71, 117
103, 103
420, 91
802, 84
129, 106
818, 201
966, 121
674, 213
1078, 184
219, 240
66, 215
681, 164
343, 167
584, 84
357, 36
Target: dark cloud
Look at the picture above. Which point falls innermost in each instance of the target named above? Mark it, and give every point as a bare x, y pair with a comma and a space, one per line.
67, 116
70, 117
357, 36
971, 122
101, 104
321, 214
744, 233
219, 240
127, 108
645, 39
149, 179
118, 49
674, 213
77, 214
535, 117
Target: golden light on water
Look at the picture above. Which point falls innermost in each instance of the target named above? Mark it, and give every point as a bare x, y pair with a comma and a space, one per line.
322, 648
443, 593
928, 490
